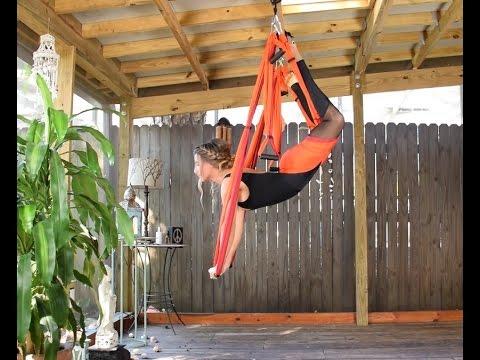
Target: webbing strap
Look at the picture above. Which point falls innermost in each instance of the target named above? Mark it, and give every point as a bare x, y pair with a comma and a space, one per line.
270, 80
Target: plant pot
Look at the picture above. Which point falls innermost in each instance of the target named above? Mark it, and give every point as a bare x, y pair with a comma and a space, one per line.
65, 354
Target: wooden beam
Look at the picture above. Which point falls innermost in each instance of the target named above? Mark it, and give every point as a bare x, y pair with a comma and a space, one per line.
66, 77
314, 62
156, 317
212, 16
368, 39
450, 15
124, 135
72, 6
169, 15
36, 15
257, 34
332, 86
361, 273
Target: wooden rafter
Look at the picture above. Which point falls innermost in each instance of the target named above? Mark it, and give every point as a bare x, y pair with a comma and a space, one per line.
314, 63
172, 21
251, 54
36, 14
332, 86
257, 34
433, 36
212, 16
71, 6
373, 27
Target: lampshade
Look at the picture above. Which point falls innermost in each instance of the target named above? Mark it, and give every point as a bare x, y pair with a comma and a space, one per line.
145, 172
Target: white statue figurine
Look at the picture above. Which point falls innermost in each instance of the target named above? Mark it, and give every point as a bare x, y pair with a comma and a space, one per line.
107, 336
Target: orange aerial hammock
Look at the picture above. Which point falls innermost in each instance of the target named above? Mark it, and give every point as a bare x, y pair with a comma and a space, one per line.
277, 62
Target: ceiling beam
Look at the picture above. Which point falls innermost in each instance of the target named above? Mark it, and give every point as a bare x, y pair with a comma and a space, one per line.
172, 21
72, 6
257, 34
254, 53
453, 11
368, 38
39, 17
225, 14
332, 86
313, 63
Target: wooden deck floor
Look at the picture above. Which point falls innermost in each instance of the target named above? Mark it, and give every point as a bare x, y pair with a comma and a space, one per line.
378, 341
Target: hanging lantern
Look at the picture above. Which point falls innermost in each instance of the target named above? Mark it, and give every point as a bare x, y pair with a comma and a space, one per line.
45, 62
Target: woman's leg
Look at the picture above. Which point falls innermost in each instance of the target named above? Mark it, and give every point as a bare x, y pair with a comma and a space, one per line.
332, 120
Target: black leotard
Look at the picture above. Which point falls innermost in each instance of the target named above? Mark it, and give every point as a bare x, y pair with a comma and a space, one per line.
272, 188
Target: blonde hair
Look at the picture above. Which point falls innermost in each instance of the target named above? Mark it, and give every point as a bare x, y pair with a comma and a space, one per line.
217, 154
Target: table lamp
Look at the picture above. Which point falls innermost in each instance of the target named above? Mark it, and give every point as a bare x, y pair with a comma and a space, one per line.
145, 173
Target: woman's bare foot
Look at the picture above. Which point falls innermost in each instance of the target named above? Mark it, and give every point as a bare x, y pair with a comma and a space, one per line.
294, 48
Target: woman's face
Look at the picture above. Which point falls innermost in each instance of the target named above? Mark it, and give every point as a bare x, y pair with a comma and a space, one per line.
202, 168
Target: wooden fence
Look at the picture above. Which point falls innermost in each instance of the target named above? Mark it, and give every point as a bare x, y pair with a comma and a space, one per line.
298, 256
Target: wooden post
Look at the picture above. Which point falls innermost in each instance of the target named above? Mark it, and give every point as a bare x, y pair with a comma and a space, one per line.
361, 275
66, 77
124, 131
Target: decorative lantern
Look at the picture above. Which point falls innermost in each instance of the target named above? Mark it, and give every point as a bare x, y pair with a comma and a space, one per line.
45, 62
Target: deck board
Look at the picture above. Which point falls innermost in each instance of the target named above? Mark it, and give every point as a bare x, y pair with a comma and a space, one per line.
377, 341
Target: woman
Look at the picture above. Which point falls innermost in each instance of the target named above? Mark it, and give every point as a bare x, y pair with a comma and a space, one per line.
213, 161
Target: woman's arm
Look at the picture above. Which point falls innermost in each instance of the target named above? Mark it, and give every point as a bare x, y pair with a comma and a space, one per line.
237, 225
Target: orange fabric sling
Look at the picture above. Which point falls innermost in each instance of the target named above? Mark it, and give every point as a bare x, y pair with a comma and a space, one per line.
270, 79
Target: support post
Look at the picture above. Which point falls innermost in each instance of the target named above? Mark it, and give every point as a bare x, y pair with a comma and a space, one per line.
361, 274
125, 126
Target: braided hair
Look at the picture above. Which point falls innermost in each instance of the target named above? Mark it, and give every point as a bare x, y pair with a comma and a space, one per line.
216, 153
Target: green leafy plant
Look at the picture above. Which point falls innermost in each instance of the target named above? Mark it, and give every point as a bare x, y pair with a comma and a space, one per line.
55, 223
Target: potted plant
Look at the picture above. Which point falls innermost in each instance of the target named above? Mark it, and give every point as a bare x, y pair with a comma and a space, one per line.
54, 223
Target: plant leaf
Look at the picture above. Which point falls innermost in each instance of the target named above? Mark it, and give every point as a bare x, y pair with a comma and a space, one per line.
35, 329
27, 214
58, 301
107, 188
124, 224
60, 122
44, 250
47, 103
24, 119
78, 309
51, 342
83, 184
35, 132
92, 159
24, 295
82, 278
105, 144
58, 189
34, 156
65, 264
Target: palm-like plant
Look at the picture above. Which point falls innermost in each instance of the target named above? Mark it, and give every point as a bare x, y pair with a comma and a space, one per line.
54, 223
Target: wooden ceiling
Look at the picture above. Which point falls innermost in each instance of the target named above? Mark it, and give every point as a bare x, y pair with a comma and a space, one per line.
145, 48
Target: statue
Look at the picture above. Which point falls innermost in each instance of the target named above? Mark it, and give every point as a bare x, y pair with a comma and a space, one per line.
107, 336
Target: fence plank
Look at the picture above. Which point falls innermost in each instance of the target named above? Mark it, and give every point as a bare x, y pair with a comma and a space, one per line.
349, 223
401, 143
293, 237
371, 214
391, 197
209, 234
445, 235
435, 289
327, 245
337, 206
272, 259
316, 256
381, 218
175, 208
455, 172
197, 230
155, 255
282, 254
414, 217
304, 237
262, 265
425, 215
